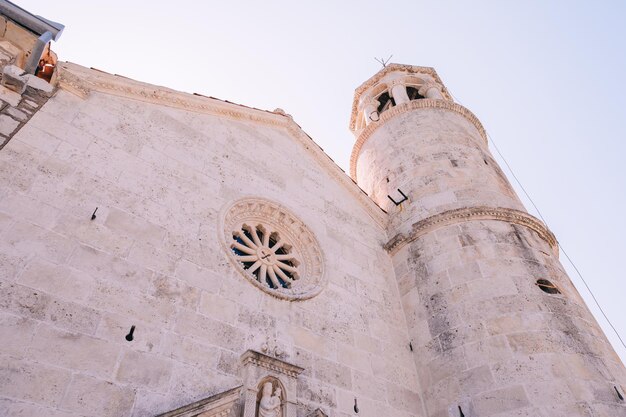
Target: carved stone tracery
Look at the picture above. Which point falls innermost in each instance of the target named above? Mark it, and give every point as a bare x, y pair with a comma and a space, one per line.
255, 233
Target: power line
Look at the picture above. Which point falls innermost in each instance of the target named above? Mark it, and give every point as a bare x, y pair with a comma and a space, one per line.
560, 246
558, 243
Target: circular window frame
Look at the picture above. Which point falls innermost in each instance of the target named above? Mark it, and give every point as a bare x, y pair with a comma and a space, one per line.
273, 218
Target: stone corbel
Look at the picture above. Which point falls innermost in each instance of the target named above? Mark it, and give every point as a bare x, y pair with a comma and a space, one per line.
431, 90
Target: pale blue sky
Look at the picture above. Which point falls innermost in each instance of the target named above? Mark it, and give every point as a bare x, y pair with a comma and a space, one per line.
545, 79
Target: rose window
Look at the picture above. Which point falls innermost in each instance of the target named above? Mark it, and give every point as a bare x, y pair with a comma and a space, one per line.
273, 249
264, 255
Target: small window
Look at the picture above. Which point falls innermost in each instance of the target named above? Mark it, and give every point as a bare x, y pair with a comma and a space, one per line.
385, 101
547, 286
413, 93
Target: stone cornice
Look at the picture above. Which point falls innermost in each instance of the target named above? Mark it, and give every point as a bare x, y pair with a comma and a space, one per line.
403, 108
461, 215
273, 364
219, 405
409, 69
82, 81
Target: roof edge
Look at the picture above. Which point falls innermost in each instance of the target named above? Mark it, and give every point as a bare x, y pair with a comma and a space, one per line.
81, 81
34, 23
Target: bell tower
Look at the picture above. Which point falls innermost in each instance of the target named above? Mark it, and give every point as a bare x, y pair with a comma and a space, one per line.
497, 327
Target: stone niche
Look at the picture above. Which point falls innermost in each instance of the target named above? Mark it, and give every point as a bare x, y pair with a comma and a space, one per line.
269, 390
269, 386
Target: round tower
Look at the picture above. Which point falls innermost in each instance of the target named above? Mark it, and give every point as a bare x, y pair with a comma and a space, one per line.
496, 325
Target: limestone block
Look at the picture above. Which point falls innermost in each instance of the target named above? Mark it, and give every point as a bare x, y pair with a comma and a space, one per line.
15, 332
141, 307
333, 373
32, 382
228, 363
197, 276
208, 330
97, 397
11, 265
152, 258
145, 370
476, 380
64, 130
14, 79
174, 291
16, 114
365, 384
93, 234
319, 393
126, 224
212, 305
39, 84
37, 138
63, 106
28, 208
114, 328
7, 125
111, 269
353, 357
312, 342
58, 280
74, 351
191, 352
189, 384
403, 399
490, 350
502, 400
11, 407
9, 50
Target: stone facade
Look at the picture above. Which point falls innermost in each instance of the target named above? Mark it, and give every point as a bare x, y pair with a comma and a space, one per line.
171, 254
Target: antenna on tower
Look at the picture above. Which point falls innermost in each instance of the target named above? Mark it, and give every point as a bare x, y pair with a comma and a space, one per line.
383, 61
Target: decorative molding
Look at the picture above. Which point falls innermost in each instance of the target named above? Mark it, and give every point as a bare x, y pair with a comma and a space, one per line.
218, 405
82, 81
409, 69
260, 360
461, 215
292, 231
423, 103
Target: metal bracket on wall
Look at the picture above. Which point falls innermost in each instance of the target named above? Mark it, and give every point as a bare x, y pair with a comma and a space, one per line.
404, 198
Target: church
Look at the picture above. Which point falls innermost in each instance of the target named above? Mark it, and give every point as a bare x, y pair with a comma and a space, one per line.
170, 254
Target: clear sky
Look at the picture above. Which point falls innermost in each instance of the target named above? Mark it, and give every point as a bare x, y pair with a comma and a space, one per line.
545, 78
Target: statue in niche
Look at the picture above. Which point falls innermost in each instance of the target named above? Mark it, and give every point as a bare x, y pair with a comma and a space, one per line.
270, 404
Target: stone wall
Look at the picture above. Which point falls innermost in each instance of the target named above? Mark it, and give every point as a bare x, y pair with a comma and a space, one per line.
72, 287
18, 105
493, 343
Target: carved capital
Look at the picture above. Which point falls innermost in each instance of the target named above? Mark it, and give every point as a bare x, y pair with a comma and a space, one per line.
423, 90
397, 81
